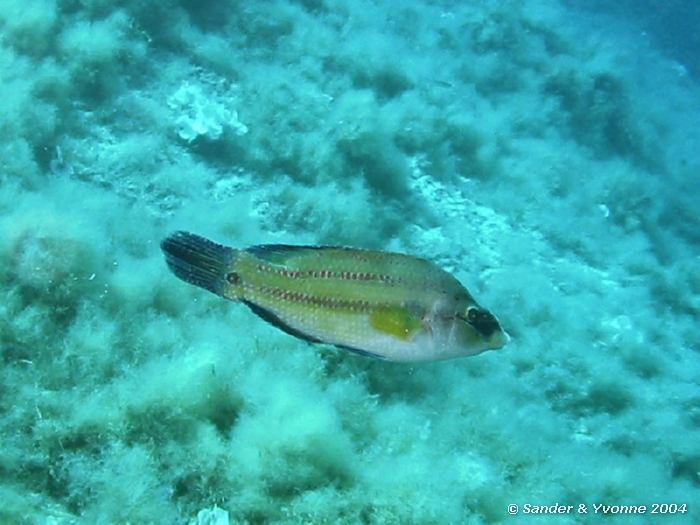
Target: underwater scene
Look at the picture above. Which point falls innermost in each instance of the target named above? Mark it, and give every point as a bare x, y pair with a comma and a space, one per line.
349, 262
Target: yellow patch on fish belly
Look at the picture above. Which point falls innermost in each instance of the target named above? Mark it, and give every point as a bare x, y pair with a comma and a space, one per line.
395, 321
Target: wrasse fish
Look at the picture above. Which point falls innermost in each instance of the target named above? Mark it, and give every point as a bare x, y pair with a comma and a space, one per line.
385, 305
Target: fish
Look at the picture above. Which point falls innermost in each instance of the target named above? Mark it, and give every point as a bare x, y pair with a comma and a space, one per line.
390, 306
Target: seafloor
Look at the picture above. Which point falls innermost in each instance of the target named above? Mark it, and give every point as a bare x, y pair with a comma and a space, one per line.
545, 153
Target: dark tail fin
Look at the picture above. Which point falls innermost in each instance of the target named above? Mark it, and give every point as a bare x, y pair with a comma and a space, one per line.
197, 260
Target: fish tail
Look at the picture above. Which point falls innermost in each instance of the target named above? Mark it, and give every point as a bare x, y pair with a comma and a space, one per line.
201, 262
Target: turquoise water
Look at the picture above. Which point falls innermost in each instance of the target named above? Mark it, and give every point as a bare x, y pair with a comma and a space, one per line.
543, 152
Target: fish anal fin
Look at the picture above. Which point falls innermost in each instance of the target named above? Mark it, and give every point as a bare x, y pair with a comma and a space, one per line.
274, 320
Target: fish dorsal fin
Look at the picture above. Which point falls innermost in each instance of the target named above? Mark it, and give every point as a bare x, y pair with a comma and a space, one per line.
396, 321
279, 253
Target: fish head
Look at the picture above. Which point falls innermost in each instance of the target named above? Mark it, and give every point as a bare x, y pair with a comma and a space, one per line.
475, 330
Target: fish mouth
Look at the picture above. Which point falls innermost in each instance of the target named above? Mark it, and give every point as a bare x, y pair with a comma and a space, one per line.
498, 340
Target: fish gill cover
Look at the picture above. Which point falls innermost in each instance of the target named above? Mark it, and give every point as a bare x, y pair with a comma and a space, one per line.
551, 166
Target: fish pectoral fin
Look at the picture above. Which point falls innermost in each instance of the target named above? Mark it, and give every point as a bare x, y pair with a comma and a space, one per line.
396, 321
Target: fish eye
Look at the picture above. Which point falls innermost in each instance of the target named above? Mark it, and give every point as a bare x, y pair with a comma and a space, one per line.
482, 320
